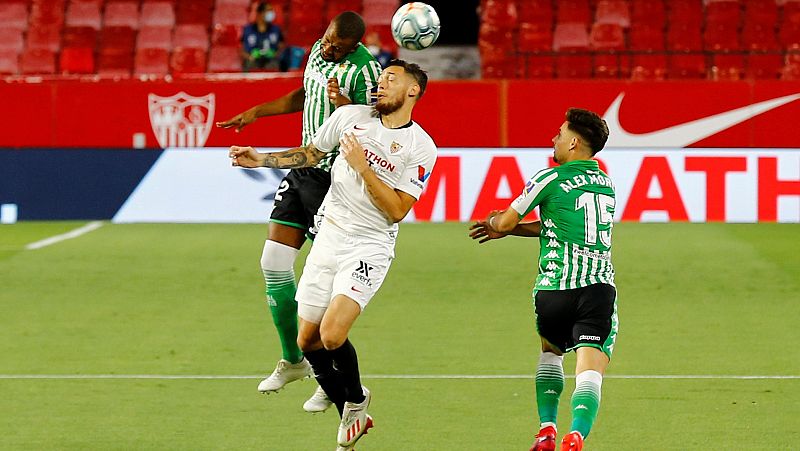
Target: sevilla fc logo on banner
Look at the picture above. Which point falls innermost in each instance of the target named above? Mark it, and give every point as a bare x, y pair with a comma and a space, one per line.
181, 120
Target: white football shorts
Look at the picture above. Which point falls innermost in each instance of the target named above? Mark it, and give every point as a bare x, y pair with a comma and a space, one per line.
341, 263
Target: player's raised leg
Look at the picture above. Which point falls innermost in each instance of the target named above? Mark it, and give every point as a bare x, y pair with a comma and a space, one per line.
277, 265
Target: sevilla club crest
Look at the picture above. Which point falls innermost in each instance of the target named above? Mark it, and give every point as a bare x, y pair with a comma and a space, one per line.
181, 120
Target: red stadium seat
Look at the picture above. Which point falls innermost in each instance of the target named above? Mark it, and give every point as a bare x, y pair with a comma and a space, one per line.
191, 35
151, 62
9, 62
155, 38
608, 40
645, 38
613, 12
303, 35
535, 38
764, 65
187, 61
756, 36
499, 13
789, 35
11, 39
83, 15
77, 60
197, 13
574, 11
115, 63
648, 13
225, 35
14, 15
726, 66
684, 38
721, 36
687, 13
572, 66
48, 38
500, 68
791, 13
118, 38
649, 67
686, 66
157, 14
378, 12
79, 37
489, 35
724, 12
227, 14
335, 7
539, 66
539, 12
570, 35
122, 14
224, 59
37, 61
762, 12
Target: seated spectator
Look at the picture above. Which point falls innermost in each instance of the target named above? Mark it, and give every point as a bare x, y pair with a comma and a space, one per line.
373, 43
262, 41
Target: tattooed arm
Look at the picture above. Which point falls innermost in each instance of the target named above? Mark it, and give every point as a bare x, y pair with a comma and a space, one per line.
299, 157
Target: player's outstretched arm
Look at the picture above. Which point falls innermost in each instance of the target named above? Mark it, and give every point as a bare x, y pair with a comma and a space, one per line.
299, 157
290, 103
394, 204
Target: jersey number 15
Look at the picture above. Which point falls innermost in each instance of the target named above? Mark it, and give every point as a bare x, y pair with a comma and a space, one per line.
599, 208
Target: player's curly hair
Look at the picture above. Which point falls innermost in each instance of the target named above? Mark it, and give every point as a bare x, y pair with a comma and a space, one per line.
349, 25
589, 126
413, 69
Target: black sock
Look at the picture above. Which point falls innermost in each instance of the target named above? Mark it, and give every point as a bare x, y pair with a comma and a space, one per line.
327, 376
346, 361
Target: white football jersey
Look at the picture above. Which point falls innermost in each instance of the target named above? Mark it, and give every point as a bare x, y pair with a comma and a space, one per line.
403, 158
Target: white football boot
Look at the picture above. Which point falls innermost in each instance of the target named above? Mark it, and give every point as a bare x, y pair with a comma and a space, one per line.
355, 421
284, 373
318, 402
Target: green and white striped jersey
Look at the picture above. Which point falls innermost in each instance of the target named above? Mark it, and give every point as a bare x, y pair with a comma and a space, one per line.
576, 206
357, 74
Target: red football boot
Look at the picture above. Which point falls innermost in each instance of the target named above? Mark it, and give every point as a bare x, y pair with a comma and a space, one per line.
572, 442
545, 439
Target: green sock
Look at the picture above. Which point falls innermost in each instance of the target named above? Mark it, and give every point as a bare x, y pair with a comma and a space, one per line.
281, 288
549, 385
586, 401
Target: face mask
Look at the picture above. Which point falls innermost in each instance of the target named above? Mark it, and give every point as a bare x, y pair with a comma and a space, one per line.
374, 49
269, 16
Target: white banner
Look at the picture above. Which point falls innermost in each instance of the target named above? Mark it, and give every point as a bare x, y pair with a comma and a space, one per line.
697, 185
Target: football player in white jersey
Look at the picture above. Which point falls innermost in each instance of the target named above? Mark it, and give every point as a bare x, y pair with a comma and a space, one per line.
387, 160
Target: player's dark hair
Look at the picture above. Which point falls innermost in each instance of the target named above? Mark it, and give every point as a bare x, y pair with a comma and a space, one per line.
589, 126
413, 69
349, 25
262, 6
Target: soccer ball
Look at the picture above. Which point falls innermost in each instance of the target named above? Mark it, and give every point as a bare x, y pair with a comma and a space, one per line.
415, 26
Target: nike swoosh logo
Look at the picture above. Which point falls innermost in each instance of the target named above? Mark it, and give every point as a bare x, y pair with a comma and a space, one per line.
682, 135
356, 289
358, 128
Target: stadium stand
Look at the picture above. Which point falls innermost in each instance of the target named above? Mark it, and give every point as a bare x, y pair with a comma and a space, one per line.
641, 39
636, 39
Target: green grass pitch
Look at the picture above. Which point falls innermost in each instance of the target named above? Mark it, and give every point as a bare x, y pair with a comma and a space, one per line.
157, 299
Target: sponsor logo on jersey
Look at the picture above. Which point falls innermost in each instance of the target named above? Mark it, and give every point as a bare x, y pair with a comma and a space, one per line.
551, 266
181, 120
422, 174
529, 186
549, 223
589, 337
361, 273
553, 243
358, 128
552, 254
377, 160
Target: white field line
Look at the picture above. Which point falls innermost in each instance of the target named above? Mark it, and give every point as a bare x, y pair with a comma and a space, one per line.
394, 376
94, 225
